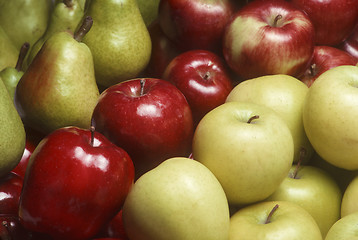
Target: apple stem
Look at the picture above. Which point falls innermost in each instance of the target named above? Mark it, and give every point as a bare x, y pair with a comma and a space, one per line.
23, 51
92, 129
84, 29
68, 3
302, 155
268, 219
277, 18
142, 83
253, 118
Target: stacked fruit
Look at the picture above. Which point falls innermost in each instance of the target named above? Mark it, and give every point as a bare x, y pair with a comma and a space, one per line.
178, 119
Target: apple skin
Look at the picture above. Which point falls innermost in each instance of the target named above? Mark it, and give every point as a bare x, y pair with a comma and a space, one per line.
285, 95
289, 221
20, 168
195, 24
180, 199
350, 45
325, 58
329, 116
304, 189
203, 78
333, 20
72, 186
344, 229
349, 200
10, 191
151, 126
250, 160
115, 228
253, 45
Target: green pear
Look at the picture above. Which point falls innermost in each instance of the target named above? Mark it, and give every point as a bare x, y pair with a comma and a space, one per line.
11, 75
65, 17
59, 88
24, 20
149, 10
8, 52
119, 40
178, 200
13, 137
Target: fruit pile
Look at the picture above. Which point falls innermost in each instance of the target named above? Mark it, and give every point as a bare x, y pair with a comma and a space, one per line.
178, 119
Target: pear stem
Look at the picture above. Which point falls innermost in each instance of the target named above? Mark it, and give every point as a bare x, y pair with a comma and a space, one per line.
68, 3
253, 118
277, 18
268, 219
23, 51
84, 28
92, 129
302, 156
142, 83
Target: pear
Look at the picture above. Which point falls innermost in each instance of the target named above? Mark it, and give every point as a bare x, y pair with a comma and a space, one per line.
11, 75
13, 137
119, 40
180, 199
8, 52
59, 87
65, 17
149, 10
24, 20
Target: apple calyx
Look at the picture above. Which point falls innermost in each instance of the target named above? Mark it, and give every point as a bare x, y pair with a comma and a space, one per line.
83, 29
275, 21
300, 159
273, 210
68, 3
253, 118
23, 51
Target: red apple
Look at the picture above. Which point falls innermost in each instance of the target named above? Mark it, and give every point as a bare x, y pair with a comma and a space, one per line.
75, 183
195, 24
11, 229
115, 228
333, 20
350, 45
268, 37
20, 168
202, 77
149, 118
324, 58
10, 190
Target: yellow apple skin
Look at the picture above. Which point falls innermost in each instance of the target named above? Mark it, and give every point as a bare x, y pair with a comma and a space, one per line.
330, 114
289, 221
250, 160
344, 229
178, 200
314, 190
350, 198
284, 94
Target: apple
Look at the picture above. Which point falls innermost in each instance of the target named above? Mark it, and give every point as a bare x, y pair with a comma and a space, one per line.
115, 228
202, 76
149, 118
11, 229
268, 37
349, 200
333, 20
247, 146
344, 229
20, 168
279, 220
195, 24
10, 190
330, 116
350, 44
325, 58
180, 199
315, 190
285, 95
76, 181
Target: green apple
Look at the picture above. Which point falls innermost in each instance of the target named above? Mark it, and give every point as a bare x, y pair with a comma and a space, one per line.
344, 229
273, 220
178, 200
284, 94
349, 200
314, 190
247, 146
330, 114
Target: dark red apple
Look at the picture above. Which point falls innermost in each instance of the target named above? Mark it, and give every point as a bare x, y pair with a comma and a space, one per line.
324, 58
149, 118
268, 37
11, 229
203, 78
115, 228
76, 182
10, 190
350, 45
20, 168
195, 24
333, 20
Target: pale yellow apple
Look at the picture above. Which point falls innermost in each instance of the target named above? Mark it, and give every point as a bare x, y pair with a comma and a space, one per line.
345, 228
350, 198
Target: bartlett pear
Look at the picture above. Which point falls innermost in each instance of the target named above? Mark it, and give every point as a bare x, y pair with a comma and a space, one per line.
8, 52
149, 10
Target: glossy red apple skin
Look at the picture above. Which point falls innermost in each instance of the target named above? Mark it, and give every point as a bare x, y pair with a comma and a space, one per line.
333, 20
20, 168
203, 78
151, 126
325, 58
10, 191
11, 229
115, 228
350, 45
254, 45
195, 24
73, 187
